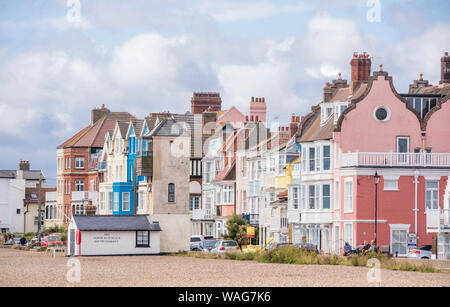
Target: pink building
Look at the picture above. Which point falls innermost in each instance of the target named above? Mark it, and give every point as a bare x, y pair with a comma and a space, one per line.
404, 138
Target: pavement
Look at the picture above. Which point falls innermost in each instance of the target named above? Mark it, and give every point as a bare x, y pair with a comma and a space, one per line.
27, 268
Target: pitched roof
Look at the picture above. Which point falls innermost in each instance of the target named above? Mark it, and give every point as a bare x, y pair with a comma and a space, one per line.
170, 127
318, 132
441, 89
228, 173
115, 222
7, 174
94, 134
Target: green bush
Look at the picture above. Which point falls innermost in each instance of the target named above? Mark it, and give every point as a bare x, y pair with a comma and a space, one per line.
54, 229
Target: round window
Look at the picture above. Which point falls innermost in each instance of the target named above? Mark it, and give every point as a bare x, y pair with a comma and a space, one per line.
382, 114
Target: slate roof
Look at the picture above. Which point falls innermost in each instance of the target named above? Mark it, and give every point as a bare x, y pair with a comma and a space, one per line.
27, 175
7, 174
170, 127
115, 222
441, 89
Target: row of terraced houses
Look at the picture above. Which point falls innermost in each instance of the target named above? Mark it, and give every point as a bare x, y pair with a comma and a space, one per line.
310, 180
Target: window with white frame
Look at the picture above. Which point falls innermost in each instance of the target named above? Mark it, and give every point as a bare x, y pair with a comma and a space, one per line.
272, 164
317, 155
228, 194
79, 162
194, 203
432, 194
390, 184
312, 194
102, 200
303, 193
141, 200
110, 201
317, 201
348, 196
281, 163
79, 185
348, 233
50, 211
326, 158
142, 238
312, 159
326, 196
125, 201
218, 195
116, 201
304, 159
295, 197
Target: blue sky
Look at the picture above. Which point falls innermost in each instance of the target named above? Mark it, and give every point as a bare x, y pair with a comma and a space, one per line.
146, 56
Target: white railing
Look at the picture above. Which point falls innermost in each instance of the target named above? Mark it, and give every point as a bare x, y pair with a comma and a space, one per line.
202, 214
395, 159
438, 219
84, 195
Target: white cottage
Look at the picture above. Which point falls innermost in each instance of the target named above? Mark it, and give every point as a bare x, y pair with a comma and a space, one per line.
93, 235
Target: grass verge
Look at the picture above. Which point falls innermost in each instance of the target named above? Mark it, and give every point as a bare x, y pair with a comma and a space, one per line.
293, 255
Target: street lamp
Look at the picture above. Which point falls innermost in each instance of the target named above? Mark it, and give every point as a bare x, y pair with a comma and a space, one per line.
376, 180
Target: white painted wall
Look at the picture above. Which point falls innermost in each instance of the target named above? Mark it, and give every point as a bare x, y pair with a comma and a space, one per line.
12, 194
115, 243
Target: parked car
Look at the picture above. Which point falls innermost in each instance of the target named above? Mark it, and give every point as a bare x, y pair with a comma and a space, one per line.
197, 242
209, 245
223, 246
9, 242
32, 242
423, 252
50, 241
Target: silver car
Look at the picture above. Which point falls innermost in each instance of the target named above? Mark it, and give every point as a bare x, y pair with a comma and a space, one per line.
223, 246
423, 252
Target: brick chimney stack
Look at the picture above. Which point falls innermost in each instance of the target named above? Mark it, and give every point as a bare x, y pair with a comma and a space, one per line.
98, 113
293, 125
205, 101
24, 165
361, 65
327, 92
258, 109
445, 69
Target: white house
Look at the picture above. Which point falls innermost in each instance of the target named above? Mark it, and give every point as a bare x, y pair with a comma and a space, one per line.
92, 235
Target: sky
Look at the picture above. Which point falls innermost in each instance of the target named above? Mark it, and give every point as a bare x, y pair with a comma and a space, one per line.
59, 59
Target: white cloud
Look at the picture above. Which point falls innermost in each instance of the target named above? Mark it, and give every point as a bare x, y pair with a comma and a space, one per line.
245, 10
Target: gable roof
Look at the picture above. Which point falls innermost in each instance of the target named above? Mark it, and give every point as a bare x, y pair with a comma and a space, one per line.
115, 222
94, 134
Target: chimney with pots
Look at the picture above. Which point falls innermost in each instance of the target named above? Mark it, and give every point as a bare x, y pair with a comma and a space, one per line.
98, 113
445, 69
208, 101
327, 92
293, 125
24, 165
361, 65
258, 109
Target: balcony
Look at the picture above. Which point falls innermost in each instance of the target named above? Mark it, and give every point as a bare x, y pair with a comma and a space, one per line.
279, 224
144, 166
316, 217
80, 196
395, 159
438, 220
202, 214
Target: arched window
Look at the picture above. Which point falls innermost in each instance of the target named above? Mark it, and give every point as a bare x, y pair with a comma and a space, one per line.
171, 196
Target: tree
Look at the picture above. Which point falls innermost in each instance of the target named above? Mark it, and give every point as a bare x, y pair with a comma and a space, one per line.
237, 229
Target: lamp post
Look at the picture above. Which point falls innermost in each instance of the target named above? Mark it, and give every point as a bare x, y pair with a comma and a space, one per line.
376, 180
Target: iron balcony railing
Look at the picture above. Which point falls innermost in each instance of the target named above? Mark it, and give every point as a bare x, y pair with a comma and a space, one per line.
395, 159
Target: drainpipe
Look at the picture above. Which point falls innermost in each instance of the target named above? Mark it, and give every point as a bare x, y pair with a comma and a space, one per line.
416, 181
